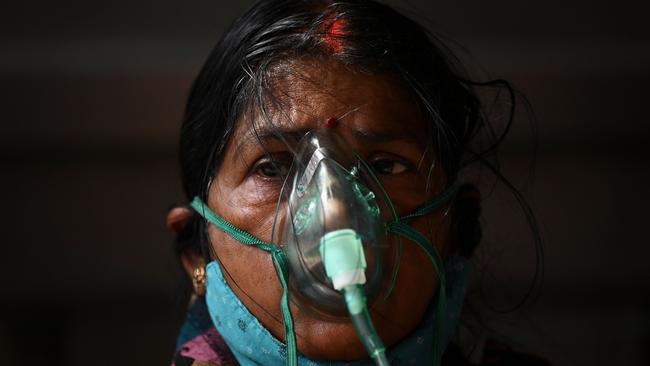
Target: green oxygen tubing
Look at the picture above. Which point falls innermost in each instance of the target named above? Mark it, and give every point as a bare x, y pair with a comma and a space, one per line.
334, 241
344, 259
345, 264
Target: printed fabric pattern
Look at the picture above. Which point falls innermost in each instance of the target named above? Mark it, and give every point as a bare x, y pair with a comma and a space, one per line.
199, 343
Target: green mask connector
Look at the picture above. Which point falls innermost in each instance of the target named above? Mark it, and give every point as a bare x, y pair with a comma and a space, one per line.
345, 265
343, 258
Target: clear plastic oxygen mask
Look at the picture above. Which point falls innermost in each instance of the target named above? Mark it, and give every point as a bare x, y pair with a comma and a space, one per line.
332, 230
331, 245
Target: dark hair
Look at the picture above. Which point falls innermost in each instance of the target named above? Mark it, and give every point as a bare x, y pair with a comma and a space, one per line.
364, 35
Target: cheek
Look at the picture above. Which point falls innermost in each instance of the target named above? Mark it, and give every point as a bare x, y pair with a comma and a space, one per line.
254, 195
402, 311
256, 220
248, 269
250, 206
435, 227
417, 273
409, 191
238, 260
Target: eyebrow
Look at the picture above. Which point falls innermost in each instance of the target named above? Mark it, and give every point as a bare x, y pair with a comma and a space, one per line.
379, 136
270, 133
292, 134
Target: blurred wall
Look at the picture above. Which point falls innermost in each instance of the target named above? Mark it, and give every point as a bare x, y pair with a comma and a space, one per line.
92, 96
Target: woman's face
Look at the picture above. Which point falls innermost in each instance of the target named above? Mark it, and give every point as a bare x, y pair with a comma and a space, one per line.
379, 121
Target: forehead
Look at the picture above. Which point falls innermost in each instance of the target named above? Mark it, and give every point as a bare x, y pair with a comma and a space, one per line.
321, 87
303, 94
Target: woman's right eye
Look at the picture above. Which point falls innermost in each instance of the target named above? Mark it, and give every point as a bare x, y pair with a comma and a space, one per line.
272, 168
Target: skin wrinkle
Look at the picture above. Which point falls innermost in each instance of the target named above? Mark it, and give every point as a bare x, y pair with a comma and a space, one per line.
290, 72
241, 199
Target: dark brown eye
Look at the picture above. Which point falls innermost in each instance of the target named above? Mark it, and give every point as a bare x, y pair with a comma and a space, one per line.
272, 168
388, 166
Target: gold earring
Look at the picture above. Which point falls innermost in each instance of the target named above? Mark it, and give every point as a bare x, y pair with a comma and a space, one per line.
198, 280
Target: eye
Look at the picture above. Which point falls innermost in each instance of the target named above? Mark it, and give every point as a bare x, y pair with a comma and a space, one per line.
272, 168
388, 166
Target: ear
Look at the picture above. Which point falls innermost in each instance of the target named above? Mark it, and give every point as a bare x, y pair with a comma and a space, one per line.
177, 219
191, 260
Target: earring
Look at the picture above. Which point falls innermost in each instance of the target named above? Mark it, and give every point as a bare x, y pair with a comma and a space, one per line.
198, 280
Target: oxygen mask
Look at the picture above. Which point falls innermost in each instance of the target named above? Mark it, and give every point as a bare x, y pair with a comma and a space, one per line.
331, 226
331, 245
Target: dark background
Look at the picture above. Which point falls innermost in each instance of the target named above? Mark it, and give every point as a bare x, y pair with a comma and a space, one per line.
91, 98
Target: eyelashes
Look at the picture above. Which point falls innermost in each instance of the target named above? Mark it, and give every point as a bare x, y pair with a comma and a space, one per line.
271, 170
272, 167
398, 175
276, 166
387, 165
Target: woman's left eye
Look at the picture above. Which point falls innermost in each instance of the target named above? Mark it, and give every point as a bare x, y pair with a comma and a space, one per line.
388, 166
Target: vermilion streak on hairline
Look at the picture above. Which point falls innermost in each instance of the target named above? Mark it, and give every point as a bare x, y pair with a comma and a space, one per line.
335, 34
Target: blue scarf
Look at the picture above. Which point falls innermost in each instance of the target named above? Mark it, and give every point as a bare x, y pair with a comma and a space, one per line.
252, 344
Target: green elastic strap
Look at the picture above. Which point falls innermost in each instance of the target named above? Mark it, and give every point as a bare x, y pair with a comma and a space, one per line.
281, 268
401, 228
404, 230
433, 204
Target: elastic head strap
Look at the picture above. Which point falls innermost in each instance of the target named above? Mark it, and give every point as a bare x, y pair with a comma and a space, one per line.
236, 233
398, 227
401, 228
433, 204
281, 269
